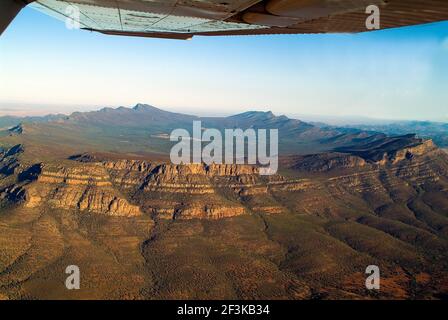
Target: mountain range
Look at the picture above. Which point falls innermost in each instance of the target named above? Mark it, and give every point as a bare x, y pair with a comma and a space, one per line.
97, 189
148, 127
437, 131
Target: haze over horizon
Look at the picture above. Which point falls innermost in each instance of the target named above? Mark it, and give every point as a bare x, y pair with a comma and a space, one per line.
20, 110
392, 74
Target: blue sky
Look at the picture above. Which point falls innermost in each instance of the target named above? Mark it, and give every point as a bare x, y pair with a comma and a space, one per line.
392, 74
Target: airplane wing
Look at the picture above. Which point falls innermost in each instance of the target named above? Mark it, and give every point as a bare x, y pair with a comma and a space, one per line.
183, 19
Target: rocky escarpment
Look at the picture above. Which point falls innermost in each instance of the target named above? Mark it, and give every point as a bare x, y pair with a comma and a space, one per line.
9, 163
208, 211
196, 190
190, 178
180, 191
168, 191
369, 156
85, 188
409, 152
71, 186
391, 149
395, 161
200, 190
324, 162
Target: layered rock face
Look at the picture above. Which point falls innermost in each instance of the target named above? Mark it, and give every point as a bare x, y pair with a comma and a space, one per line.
180, 191
386, 151
201, 191
84, 188
167, 191
324, 162
132, 187
98, 187
395, 179
186, 191
209, 212
390, 149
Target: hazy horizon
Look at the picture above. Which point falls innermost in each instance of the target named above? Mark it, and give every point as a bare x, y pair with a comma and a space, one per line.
397, 74
42, 110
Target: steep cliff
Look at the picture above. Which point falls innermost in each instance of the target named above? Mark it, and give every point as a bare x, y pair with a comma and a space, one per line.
133, 187
83, 188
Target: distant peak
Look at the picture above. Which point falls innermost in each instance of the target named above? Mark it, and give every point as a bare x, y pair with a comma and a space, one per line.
144, 107
106, 109
255, 114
